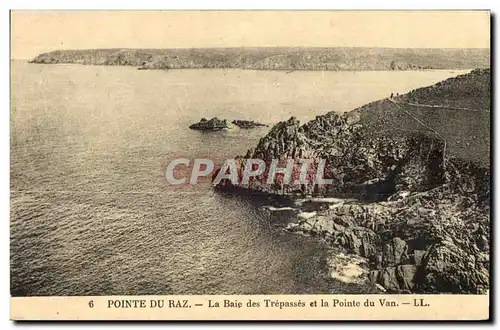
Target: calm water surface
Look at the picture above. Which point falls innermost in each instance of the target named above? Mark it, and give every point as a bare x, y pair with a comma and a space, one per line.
91, 213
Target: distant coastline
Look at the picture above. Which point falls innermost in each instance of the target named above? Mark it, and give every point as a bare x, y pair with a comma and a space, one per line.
289, 59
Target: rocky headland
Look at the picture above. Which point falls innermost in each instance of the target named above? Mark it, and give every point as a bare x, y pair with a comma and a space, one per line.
276, 58
411, 185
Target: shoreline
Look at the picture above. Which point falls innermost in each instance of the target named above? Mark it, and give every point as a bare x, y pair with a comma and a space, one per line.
353, 259
340, 269
421, 213
287, 71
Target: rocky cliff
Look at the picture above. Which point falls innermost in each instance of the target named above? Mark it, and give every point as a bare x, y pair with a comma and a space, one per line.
276, 58
421, 187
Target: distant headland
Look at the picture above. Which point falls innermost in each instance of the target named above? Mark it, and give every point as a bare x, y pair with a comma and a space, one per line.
278, 58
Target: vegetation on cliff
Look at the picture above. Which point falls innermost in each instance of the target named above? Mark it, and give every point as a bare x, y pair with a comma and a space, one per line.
276, 58
417, 166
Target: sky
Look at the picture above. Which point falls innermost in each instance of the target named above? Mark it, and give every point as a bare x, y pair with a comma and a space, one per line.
35, 32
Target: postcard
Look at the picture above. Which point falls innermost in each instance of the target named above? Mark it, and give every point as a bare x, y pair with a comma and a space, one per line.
250, 165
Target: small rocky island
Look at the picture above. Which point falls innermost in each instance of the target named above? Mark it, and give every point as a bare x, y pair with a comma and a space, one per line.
248, 124
214, 124
411, 185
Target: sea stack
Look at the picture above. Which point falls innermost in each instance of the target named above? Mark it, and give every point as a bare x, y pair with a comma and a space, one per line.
214, 124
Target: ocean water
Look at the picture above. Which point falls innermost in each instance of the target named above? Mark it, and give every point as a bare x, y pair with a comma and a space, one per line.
91, 211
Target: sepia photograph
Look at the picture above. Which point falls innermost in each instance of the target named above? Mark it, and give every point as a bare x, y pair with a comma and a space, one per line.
204, 152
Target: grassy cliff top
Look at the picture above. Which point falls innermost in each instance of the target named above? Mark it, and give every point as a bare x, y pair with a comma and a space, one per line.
456, 110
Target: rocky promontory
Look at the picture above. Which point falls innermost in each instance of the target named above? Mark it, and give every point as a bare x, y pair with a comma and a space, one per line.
411, 184
276, 58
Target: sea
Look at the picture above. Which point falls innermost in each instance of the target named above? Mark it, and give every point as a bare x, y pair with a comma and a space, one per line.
92, 213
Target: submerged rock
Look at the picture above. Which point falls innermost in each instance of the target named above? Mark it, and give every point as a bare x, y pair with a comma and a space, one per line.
214, 124
247, 123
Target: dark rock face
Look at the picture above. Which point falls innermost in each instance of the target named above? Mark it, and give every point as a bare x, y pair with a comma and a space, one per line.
359, 162
422, 243
213, 124
426, 226
421, 212
247, 123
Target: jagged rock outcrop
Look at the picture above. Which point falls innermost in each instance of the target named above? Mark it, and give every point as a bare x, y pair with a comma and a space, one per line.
358, 162
421, 213
214, 124
423, 243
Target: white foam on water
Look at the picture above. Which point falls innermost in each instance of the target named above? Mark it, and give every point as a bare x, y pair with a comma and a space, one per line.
272, 208
347, 267
334, 206
327, 200
306, 215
